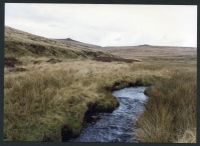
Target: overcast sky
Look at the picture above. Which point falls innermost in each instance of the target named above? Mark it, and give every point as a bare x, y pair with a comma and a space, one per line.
108, 25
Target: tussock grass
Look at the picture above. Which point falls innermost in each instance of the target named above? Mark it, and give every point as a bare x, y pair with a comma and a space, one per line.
171, 109
189, 136
40, 101
45, 97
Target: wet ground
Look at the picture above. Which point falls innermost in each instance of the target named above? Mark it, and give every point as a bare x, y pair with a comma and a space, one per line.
118, 126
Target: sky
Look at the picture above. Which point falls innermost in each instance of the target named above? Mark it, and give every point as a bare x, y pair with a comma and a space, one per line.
108, 25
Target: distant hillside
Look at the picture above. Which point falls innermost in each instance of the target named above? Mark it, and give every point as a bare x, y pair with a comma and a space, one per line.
146, 46
19, 43
75, 43
147, 52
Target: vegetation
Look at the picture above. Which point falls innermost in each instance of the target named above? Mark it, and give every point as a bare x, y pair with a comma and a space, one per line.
39, 102
171, 109
46, 94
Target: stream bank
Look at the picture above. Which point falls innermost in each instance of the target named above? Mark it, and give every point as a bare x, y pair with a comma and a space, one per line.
119, 125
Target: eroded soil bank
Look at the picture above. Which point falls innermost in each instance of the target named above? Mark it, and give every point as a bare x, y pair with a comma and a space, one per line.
119, 125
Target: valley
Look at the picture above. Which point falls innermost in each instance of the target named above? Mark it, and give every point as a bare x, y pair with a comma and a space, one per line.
50, 85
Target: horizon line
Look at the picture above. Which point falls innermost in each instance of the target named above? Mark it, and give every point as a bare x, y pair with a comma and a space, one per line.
102, 46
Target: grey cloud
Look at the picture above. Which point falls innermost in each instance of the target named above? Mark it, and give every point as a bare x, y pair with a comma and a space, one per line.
107, 24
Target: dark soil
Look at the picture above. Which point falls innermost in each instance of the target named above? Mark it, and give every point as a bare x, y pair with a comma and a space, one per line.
18, 69
37, 62
11, 61
111, 59
90, 117
53, 60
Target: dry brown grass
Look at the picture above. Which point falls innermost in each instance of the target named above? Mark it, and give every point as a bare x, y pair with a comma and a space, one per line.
41, 100
189, 136
171, 109
46, 96
152, 53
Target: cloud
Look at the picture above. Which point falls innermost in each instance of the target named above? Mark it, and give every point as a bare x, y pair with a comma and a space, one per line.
108, 24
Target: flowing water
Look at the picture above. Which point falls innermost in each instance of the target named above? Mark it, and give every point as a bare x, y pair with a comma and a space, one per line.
118, 126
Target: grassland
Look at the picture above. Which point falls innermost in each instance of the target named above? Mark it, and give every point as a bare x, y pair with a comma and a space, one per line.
170, 113
53, 92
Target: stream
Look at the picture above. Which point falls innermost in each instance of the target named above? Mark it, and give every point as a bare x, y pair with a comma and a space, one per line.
118, 126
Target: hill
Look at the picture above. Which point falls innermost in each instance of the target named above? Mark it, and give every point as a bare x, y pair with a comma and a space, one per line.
53, 88
149, 52
79, 44
22, 44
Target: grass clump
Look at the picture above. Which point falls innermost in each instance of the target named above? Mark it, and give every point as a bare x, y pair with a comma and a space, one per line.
37, 104
189, 136
49, 86
40, 101
171, 109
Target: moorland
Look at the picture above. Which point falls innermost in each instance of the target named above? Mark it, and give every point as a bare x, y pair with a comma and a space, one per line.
50, 85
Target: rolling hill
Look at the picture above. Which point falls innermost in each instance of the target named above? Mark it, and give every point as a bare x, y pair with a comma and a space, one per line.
19, 43
51, 87
79, 44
